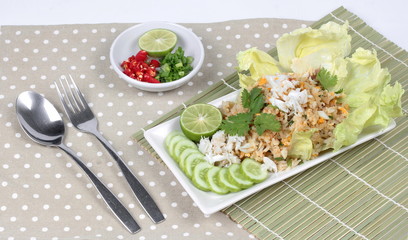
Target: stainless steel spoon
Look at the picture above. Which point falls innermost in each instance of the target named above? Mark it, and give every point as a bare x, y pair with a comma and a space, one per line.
43, 124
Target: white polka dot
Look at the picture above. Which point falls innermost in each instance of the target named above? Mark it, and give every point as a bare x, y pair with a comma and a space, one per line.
285, 25
275, 35
228, 28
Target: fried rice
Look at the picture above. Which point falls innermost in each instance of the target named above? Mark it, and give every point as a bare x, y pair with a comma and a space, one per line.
300, 104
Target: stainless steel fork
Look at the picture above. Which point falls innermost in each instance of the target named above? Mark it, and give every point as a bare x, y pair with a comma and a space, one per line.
82, 117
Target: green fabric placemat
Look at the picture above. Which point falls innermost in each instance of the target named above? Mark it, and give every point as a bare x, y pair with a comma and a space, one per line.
360, 194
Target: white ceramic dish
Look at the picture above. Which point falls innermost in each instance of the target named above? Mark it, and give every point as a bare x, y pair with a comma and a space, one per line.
209, 202
126, 45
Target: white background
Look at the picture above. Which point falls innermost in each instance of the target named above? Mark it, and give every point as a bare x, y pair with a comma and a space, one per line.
389, 17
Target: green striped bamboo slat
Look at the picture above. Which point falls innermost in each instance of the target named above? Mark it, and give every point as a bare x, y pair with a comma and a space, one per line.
360, 194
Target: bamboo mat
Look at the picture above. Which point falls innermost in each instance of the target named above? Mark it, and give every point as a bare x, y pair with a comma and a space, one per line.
360, 194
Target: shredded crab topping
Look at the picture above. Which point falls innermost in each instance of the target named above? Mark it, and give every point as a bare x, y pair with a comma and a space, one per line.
285, 95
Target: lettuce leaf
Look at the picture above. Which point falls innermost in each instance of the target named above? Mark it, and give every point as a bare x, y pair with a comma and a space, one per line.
258, 63
371, 99
307, 49
301, 145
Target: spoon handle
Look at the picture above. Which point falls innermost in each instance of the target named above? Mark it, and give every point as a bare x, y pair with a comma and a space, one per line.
114, 204
144, 198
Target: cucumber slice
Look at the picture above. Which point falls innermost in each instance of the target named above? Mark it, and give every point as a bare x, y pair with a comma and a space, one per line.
191, 162
212, 180
181, 145
199, 173
174, 140
189, 158
225, 182
170, 136
237, 177
186, 152
252, 170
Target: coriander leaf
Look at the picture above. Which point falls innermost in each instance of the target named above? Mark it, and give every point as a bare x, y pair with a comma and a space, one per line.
253, 100
246, 98
266, 121
237, 124
326, 79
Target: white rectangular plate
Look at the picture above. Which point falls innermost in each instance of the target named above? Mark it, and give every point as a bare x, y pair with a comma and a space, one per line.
210, 202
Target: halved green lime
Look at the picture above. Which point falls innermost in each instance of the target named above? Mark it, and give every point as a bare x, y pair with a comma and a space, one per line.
158, 42
253, 170
200, 120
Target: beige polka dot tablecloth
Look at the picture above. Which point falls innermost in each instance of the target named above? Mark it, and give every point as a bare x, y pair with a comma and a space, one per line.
43, 193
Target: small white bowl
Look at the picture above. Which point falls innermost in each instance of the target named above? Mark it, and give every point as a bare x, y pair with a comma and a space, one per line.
126, 45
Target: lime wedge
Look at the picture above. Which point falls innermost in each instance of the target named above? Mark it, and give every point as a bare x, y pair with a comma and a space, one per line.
158, 42
200, 120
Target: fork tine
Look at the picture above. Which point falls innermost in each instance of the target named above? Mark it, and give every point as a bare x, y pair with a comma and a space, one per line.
71, 96
62, 95
79, 93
